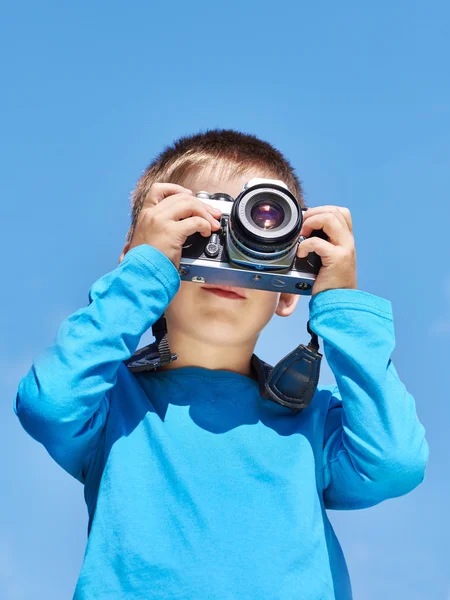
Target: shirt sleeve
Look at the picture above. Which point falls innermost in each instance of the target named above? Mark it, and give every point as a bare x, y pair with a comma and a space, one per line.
374, 445
63, 401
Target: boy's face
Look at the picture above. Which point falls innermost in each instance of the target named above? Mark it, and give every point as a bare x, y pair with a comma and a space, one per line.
201, 314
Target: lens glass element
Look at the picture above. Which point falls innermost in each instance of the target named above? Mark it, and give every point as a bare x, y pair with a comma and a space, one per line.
267, 214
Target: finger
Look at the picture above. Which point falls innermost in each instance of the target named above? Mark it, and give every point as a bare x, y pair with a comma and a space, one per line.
183, 197
341, 211
337, 231
159, 191
191, 225
347, 216
189, 206
319, 210
321, 247
214, 210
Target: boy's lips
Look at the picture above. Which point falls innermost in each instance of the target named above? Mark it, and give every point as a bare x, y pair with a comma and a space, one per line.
232, 291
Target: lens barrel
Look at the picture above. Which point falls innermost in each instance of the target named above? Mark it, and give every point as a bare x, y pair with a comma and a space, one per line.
265, 219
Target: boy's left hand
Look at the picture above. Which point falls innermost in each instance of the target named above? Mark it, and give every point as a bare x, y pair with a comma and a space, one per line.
338, 254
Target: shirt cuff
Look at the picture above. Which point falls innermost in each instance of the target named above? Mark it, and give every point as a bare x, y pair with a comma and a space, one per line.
347, 299
154, 258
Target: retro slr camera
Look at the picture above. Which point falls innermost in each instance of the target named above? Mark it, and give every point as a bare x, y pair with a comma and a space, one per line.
257, 244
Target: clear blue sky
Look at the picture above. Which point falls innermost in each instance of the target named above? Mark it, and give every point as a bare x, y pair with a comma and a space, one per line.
356, 94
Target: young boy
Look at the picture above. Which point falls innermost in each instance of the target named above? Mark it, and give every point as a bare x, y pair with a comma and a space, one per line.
196, 486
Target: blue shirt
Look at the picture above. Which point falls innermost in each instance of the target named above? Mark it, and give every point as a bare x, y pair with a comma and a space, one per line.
198, 488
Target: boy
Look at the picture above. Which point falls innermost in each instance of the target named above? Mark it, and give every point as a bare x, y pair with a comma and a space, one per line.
196, 486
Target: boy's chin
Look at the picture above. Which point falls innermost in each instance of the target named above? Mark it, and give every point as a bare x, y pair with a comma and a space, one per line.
220, 332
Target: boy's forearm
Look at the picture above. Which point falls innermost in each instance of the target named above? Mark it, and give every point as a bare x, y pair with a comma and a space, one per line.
379, 443
59, 400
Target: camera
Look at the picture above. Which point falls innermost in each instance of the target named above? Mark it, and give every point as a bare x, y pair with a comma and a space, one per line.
257, 244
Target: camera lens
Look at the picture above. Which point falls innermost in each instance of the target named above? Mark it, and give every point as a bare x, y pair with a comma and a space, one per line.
267, 214
265, 221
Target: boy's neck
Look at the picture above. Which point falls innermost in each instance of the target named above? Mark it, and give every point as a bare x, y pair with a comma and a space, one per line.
194, 352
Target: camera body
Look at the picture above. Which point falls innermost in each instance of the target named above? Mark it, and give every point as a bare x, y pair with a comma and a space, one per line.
257, 244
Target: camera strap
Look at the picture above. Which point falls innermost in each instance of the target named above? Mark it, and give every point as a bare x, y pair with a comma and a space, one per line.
154, 355
292, 382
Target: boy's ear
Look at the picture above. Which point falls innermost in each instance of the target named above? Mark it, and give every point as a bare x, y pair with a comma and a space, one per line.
124, 251
286, 304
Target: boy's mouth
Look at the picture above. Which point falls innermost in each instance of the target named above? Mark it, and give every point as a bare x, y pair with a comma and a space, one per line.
225, 291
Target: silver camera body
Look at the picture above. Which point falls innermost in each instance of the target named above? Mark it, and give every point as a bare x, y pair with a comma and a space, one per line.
256, 246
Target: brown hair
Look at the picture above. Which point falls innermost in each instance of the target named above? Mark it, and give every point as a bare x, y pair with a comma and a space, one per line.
225, 151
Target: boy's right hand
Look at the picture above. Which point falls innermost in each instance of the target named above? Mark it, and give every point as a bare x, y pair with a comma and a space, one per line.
170, 214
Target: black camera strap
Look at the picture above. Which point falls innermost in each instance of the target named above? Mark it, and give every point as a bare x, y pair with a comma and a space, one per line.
291, 383
153, 355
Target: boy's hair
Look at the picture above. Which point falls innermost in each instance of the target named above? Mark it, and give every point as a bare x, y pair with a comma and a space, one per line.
225, 151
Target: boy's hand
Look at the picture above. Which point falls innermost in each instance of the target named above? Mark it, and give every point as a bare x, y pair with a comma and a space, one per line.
338, 254
170, 214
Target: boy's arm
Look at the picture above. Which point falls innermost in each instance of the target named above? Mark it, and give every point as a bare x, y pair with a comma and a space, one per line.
374, 444
63, 401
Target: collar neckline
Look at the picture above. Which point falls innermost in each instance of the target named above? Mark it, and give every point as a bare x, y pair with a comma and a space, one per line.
203, 372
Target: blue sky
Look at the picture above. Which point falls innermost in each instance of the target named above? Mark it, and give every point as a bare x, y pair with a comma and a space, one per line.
355, 94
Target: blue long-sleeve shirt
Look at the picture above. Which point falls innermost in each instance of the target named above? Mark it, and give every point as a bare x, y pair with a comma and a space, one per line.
196, 486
